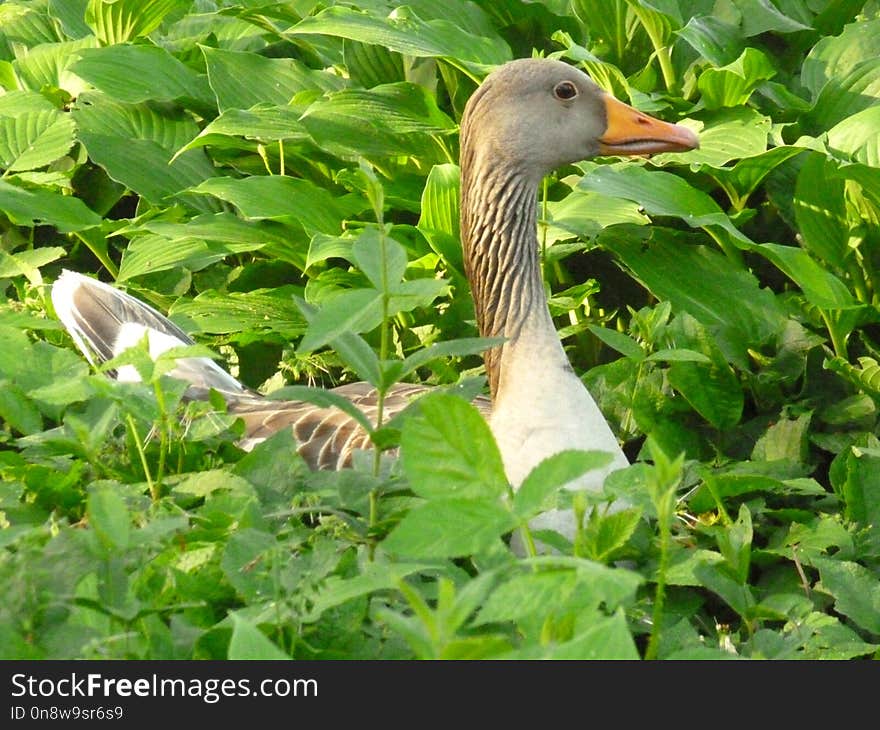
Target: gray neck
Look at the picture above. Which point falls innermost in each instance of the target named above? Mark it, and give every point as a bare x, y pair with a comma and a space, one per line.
499, 238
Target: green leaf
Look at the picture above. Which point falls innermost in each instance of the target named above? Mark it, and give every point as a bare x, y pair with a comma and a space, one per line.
34, 139
109, 518
135, 145
819, 285
30, 207
820, 212
621, 342
264, 310
355, 310
118, 21
604, 535
452, 348
248, 642
761, 16
843, 96
18, 409
856, 591
447, 528
733, 84
701, 281
855, 137
552, 474
139, 73
713, 38
47, 66
448, 450
661, 193
833, 57
262, 123
150, 254
382, 259
278, 198
243, 80
405, 32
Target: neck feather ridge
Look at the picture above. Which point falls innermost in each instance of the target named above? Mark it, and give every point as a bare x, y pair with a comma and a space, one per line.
499, 238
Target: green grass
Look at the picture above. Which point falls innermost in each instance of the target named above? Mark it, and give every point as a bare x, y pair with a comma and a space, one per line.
263, 170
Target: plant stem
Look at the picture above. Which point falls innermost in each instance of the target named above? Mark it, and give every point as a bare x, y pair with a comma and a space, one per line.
143, 457
102, 256
660, 593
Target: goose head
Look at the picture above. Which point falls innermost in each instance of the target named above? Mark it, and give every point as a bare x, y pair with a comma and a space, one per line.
536, 115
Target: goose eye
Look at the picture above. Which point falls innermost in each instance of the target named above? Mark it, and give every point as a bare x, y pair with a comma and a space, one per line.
565, 90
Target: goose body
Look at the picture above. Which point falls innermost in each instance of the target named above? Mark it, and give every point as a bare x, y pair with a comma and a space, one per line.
528, 117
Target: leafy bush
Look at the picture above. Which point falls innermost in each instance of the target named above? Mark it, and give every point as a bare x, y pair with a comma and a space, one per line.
281, 178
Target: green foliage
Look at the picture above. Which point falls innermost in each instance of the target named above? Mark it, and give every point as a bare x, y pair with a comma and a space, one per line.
282, 179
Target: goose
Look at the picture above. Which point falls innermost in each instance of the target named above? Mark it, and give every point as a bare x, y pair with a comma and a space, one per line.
528, 118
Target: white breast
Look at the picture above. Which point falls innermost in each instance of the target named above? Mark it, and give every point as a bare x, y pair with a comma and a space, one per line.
542, 408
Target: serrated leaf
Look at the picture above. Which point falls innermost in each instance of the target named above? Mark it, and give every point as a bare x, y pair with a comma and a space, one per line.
856, 591
446, 528
109, 518
448, 450
248, 642
355, 310
552, 474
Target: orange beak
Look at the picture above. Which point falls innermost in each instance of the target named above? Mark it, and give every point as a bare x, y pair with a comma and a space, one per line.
630, 132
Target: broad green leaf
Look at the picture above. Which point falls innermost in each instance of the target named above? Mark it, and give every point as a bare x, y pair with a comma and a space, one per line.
408, 295
447, 528
727, 134
859, 485
856, 591
265, 310
109, 518
835, 56
370, 65
135, 145
732, 85
735, 543
607, 24
820, 212
149, 254
584, 213
263, 123
354, 310
34, 139
70, 14
819, 285
26, 25
762, 16
139, 73
243, 80
30, 207
856, 137
375, 576
27, 263
661, 193
439, 220
712, 390
609, 638
18, 410
741, 180
405, 32
787, 438
701, 281
713, 38
118, 21
447, 450
536, 492
278, 197
248, 642
453, 348
48, 66
843, 96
